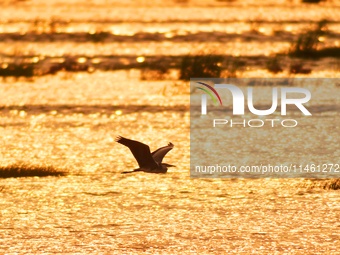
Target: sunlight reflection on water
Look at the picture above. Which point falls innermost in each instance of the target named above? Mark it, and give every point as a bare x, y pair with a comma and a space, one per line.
70, 121
95, 209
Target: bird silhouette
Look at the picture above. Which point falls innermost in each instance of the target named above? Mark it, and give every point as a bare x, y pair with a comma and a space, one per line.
147, 161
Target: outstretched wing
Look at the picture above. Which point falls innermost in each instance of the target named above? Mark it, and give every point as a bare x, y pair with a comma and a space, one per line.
159, 154
140, 151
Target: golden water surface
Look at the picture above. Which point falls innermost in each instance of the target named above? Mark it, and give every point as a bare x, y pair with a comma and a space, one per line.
71, 120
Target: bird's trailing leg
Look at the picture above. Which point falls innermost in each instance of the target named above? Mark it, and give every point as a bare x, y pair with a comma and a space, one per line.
135, 170
168, 165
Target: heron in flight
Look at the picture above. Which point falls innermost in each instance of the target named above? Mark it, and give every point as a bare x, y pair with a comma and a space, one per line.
147, 161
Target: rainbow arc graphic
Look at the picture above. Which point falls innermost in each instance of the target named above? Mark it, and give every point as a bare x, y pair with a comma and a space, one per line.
211, 92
